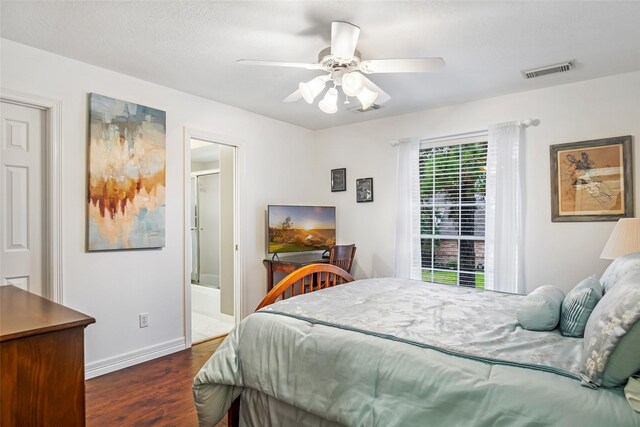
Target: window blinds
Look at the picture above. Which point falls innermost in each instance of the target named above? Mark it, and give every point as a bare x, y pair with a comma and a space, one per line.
452, 212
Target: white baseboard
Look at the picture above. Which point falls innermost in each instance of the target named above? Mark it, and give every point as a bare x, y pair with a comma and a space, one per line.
104, 366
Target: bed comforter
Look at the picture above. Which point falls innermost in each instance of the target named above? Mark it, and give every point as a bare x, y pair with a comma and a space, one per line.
385, 352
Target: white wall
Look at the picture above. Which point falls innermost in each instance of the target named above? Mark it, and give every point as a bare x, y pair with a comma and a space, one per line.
115, 287
555, 253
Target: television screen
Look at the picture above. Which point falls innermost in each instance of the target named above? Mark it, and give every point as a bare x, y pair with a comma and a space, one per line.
300, 228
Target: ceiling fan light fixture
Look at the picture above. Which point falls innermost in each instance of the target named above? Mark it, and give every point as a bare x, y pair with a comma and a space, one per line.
367, 97
312, 88
346, 68
329, 104
352, 83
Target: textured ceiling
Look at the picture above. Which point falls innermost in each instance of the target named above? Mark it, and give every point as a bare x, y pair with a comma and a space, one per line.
192, 46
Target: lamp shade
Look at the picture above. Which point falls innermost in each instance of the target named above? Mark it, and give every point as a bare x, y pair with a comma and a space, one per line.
312, 88
352, 83
329, 104
624, 239
367, 97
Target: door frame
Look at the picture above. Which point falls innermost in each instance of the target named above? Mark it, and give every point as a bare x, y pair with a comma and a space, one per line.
53, 184
238, 144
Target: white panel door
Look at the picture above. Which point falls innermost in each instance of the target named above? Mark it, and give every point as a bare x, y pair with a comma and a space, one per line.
22, 220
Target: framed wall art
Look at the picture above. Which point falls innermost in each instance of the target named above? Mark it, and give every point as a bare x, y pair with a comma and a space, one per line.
126, 206
338, 179
364, 190
592, 180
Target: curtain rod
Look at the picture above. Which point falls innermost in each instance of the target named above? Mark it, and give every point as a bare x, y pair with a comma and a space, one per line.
467, 134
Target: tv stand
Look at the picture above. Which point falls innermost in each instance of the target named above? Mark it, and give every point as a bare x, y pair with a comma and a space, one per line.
275, 257
289, 265
325, 254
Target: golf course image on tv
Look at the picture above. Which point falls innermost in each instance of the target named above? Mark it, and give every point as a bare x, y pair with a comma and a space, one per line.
300, 228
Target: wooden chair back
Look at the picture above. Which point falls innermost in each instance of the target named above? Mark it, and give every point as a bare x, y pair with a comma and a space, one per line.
342, 256
309, 278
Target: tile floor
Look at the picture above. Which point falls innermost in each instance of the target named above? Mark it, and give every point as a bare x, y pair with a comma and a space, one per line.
205, 327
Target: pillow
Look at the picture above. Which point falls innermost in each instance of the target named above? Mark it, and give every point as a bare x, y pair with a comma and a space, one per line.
578, 305
632, 392
619, 269
623, 362
540, 310
612, 337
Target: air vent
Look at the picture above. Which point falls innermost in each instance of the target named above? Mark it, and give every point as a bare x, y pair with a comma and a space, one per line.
547, 69
362, 110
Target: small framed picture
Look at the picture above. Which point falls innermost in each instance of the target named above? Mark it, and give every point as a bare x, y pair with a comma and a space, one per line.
592, 180
338, 179
364, 190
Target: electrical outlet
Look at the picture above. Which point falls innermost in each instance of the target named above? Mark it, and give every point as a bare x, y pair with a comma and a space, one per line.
144, 320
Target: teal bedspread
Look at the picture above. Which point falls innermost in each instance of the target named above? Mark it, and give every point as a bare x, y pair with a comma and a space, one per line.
392, 352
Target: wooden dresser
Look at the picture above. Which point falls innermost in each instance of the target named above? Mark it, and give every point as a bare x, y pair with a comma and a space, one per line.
41, 361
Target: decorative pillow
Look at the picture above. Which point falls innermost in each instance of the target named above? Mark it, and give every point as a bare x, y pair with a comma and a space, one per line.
619, 270
540, 310
578, 305
623, 362
612, 337
632, 392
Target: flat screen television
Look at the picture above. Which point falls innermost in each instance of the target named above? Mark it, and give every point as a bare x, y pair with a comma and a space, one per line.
300, 228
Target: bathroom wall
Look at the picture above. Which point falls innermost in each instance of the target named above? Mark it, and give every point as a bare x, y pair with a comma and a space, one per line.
201, 166
209, 224
227, 249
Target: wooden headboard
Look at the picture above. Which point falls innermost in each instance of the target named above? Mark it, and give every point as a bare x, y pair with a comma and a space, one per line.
309, 278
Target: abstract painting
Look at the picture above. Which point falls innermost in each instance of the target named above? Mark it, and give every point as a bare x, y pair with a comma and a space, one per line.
126, 207
592, 180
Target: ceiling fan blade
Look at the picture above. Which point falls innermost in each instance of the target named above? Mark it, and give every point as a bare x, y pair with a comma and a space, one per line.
344, 37
296, 95
281, 64
382, 95
415, 65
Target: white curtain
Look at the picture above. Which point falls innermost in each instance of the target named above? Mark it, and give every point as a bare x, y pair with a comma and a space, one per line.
504, 209
408, 210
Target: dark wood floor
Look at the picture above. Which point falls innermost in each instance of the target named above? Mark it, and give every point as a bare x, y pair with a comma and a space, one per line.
155, 393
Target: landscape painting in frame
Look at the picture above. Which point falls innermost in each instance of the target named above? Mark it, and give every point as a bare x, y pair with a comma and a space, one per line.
126, 207
592, 180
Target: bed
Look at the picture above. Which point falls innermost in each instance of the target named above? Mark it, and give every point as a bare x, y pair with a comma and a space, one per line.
396, 352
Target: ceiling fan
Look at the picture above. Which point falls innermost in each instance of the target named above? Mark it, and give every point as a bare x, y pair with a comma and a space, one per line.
345, 69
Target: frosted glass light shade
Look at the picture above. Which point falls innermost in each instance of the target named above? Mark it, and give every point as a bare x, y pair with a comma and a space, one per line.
624, 239
352, 83
312, 88
329, 104
367, 97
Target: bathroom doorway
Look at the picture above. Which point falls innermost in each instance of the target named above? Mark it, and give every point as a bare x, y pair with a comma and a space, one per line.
212, 240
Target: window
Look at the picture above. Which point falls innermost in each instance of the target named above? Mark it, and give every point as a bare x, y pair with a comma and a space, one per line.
452, 213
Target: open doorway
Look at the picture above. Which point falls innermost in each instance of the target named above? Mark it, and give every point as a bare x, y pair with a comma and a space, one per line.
212, 214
